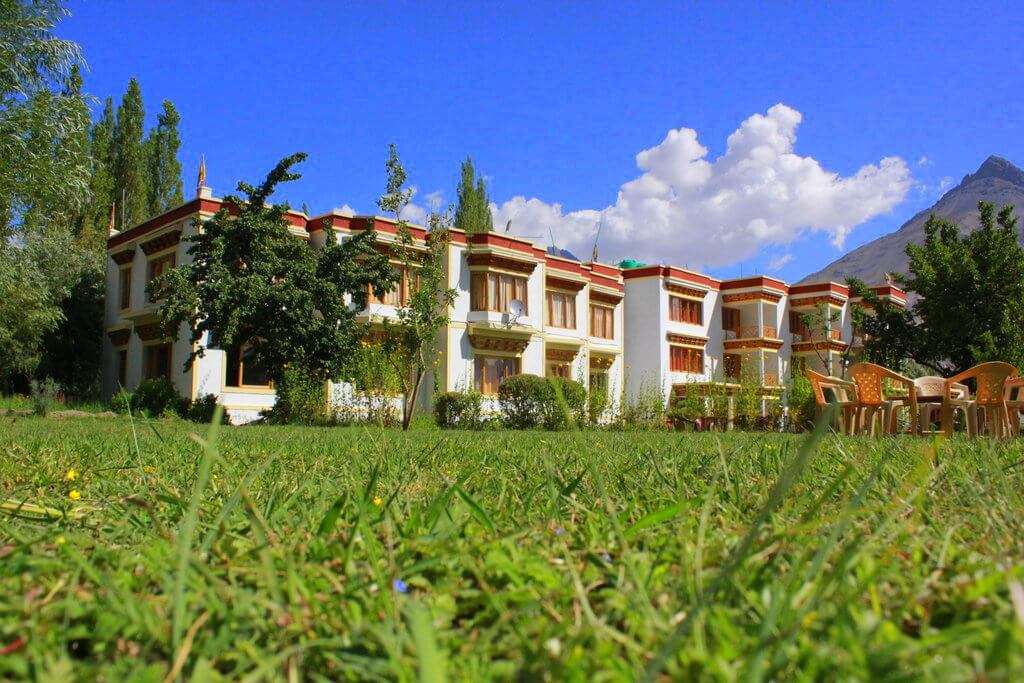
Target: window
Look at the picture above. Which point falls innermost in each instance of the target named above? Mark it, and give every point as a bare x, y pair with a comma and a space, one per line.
797, 325
731, 320
559, 370
682, 310
490, 371
561, 310
685, 359
158, 267
242, 371
122, 367
124, 287
157, 361
399, 296
602, 321
493, 291
732, 364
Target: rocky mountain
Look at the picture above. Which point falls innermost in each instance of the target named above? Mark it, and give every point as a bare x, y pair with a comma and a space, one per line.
996, 180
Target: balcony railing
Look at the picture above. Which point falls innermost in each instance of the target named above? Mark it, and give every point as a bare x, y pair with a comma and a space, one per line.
756, 332
808, 336
771, 379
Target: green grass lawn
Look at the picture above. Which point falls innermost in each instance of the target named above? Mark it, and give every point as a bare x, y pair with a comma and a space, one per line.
360, 553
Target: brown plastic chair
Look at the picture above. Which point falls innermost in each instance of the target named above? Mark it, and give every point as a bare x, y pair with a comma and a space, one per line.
989, 403
933, 386
829, 390
872, 401
1013, 399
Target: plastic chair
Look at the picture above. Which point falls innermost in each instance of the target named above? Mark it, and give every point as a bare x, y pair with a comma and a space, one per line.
872, 401
930, 411
988, 407
829, 390
1013, 399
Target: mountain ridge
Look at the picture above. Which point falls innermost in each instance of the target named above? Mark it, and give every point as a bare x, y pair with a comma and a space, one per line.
997, 180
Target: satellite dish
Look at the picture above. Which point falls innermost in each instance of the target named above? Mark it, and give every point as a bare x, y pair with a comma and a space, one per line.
516, 308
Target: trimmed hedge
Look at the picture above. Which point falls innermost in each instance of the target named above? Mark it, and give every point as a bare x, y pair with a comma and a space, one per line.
457, 409
532, 402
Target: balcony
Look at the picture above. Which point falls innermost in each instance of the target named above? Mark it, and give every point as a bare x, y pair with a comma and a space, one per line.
757, 332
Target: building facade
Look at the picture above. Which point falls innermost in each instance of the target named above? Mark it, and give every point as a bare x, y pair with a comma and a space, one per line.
568, 321
518, 309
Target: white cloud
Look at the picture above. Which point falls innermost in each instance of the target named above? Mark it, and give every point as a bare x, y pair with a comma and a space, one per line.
779, 262
685, 208
924, 161
435, 200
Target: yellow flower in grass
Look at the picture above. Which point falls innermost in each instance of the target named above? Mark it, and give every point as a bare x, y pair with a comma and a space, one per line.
378, 501
73, 494
71, 475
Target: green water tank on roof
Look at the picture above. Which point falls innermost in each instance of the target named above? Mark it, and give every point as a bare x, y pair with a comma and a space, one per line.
628, 263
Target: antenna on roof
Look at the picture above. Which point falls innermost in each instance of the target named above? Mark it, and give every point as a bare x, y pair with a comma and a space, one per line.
508, 226
600, 224
551, 234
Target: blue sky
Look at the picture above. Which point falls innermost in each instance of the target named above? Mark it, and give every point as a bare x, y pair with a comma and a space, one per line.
554, 102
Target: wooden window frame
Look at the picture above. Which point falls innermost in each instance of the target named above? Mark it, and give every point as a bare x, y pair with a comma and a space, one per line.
608, 313
481, 383
684, 310
148, 360
559, 369
482, 297
169, 258
685, 359
239, 372
124, 288
407, 284
567, 304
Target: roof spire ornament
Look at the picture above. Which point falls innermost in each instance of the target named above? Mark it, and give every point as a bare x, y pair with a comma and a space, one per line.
201, 188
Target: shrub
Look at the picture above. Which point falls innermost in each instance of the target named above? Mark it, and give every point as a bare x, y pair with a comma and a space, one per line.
300, 400
46, 394
801, 403
121, 402
531, 402
688, 408
524, 400
569, 407
157, 397
203, 410
458, 409
597, 402
645, 410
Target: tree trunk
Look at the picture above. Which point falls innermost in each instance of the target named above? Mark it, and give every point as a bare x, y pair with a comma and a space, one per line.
410, 401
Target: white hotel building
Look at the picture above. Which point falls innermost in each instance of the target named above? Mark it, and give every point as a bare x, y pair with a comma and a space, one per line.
654, 327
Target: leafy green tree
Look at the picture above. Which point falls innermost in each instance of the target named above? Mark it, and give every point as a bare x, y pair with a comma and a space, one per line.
93, 223
43, 165
252, 281
971, 298
165, 185
39, 275
473, 213
130, 162
411, 343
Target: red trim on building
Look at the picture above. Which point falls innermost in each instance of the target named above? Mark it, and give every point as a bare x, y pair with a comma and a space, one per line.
193, 206
760, 281
820, 288
672, 272
556, 263
490, 239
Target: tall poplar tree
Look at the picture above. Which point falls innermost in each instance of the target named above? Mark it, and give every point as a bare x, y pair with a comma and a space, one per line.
473, 213
165, 186
130, 166
92, 226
